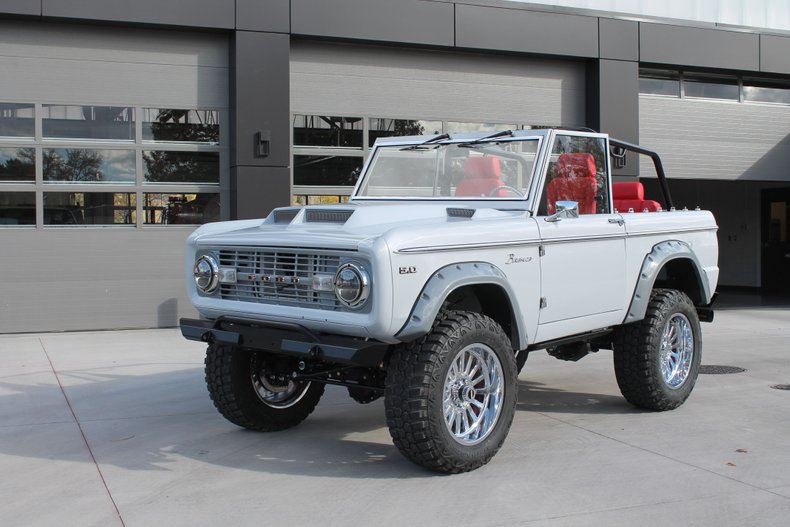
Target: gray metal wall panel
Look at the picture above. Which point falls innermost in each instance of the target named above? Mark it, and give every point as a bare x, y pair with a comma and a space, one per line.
417, 84
58, 63
193, 13
260, 97
410, 21
258, 190
106, 278
21, 7
708, 140
269, 15
774, 54
618, 39
691, 46
496, 28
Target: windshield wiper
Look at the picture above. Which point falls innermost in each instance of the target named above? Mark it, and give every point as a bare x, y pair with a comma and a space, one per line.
420, 146
503, 133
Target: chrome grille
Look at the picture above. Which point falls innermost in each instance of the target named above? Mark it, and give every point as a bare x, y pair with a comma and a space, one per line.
279, 276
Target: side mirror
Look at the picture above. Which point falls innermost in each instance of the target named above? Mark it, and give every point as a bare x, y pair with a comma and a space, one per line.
565, 209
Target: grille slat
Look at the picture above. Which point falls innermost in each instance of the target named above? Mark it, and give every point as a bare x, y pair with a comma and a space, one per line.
290, 275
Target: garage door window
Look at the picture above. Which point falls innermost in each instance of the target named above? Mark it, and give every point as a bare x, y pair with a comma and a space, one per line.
109, 165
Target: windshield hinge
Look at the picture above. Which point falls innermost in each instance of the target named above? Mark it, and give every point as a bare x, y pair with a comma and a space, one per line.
543, 303
541, 251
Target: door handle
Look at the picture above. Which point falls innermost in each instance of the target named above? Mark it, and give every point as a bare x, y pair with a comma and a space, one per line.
619, 221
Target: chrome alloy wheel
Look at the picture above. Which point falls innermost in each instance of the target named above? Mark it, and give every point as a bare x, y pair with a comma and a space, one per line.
275, 395
474, 389
677, 351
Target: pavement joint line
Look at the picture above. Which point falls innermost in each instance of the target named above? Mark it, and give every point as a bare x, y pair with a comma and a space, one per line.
82, 433
709, 471
48, 423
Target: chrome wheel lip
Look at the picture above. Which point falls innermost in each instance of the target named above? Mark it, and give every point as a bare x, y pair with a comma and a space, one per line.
473, 394
272, 396
676, 351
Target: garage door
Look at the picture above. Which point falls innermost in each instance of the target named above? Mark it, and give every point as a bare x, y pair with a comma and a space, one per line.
344, 96
112, 147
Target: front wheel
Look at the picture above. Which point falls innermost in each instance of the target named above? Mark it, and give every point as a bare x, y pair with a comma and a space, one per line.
656, 360
252, 389
450, 397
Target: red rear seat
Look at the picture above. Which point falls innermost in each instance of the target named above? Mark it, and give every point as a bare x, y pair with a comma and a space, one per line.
631, 195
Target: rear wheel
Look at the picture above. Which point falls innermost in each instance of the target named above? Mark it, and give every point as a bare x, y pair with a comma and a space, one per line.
656, 360
450, 397
252, 389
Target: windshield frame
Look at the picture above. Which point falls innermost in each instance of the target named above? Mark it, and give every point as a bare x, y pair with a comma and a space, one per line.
459, 139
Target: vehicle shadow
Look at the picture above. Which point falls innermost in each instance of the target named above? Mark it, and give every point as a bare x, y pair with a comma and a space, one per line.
152, 422
538, 397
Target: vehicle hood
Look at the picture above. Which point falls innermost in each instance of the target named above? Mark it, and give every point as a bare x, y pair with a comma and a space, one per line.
348, 226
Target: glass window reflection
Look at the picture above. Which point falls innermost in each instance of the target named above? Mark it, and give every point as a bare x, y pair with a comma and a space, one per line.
180, 126
86, 165
327, 170
399, 127
168, 166
17, 120
755, 90
180, 209
711, 87
90, 208
17, 208
87, 122
325, 130
17, 164
457, 127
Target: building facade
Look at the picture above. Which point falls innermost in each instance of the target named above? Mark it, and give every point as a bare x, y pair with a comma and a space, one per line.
123, 125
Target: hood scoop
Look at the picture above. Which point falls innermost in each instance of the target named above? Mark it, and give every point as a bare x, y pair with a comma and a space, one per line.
285, 215
327, 215
458, 212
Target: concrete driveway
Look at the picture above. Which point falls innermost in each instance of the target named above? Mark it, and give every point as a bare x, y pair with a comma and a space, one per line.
116, 428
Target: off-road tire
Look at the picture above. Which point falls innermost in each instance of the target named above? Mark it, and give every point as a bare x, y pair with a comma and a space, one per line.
230, 385
637, 357
414, 393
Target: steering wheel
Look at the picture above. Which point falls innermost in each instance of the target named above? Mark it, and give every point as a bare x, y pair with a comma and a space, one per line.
506, 187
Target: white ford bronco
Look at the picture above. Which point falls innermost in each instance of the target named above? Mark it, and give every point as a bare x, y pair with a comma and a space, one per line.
454, 258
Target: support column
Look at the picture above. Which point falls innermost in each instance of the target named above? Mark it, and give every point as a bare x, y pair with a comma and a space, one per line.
260, 124
613, 86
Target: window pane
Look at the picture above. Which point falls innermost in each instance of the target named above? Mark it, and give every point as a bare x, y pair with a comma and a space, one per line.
17, 164
398, 127
659, 82
193, 126
710, 87
327, 171
16, 120
766, 91
577, 172
323, 130
311, 199
469, 128
180, 209
87, 122
85, 165
17, 208
90, 208
163, 166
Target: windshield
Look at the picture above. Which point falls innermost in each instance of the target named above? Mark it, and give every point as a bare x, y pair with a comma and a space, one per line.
484, 170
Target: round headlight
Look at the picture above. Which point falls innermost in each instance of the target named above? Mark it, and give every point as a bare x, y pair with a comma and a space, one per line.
206, 274
352, 285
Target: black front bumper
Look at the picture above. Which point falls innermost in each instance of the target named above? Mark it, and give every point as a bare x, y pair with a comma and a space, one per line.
286, 339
